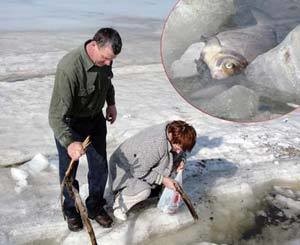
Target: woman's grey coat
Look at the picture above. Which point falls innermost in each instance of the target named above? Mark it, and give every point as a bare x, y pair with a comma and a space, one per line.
142, 160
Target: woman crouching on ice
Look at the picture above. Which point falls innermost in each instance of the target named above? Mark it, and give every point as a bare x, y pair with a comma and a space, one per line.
145, 161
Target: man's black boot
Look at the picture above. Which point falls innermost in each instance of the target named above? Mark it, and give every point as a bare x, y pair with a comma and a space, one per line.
103, 219
74, 223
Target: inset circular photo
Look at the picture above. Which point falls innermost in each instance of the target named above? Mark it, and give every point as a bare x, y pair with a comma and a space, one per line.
237, 60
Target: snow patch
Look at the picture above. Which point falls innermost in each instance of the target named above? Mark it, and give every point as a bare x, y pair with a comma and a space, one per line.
31, 168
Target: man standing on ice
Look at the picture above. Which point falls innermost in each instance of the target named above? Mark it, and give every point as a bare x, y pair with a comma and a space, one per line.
82, 86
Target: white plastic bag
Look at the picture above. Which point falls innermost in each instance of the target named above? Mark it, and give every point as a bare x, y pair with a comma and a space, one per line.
170, 201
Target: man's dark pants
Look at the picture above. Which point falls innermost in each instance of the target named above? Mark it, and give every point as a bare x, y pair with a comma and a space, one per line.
97, 163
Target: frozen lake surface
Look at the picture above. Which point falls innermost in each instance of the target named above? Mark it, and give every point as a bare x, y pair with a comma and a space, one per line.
24, 15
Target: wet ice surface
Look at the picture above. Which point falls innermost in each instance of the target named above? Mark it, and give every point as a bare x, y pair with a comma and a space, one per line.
230, 163
180, 57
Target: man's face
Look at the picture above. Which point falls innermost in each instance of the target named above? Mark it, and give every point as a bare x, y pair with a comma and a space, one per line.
104, 55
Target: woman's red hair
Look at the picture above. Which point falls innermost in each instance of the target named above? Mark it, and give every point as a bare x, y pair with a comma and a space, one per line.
182, 134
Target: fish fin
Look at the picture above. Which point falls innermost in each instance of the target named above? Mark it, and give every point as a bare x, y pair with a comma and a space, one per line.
201, 66
203, 39
214, 41
261, 17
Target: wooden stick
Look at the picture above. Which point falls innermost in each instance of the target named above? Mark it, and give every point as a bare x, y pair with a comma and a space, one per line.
84, 215
187, 201
85, 144
73, 192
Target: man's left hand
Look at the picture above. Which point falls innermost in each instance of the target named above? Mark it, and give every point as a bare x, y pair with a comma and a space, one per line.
111, 113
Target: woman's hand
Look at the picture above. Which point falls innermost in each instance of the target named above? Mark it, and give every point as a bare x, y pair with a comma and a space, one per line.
169, 183
180, 166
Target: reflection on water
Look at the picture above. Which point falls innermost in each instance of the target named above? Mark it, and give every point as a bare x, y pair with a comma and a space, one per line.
229, 222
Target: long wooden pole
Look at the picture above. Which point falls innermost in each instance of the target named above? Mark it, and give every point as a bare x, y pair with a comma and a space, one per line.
73, 192
187, 201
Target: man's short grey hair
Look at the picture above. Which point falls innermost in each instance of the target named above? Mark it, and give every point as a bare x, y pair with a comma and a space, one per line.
106, 36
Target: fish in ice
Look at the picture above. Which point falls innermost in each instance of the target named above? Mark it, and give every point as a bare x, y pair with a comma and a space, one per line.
229, 52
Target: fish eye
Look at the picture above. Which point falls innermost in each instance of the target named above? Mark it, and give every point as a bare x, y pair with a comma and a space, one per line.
229, 65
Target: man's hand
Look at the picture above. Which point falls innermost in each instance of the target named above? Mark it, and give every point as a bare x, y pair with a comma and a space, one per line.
75, 150
111, 113
169, 183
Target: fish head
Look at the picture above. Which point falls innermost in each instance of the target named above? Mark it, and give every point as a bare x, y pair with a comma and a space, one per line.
225, 64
